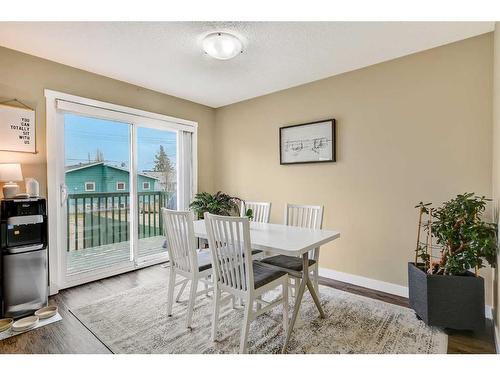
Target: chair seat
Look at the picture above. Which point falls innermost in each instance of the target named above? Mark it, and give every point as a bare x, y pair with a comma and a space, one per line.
263, 274
288, 262
204, 260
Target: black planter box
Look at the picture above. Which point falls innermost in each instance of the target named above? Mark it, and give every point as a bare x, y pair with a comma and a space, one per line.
455, 302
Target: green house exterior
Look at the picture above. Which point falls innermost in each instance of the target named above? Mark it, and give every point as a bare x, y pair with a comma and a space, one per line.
102, 178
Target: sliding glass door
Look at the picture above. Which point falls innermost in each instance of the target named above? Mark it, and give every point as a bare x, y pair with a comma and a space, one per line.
114, 173
97, 169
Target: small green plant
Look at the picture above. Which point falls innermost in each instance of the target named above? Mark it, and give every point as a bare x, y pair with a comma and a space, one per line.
218, 204
466, 241
249, 213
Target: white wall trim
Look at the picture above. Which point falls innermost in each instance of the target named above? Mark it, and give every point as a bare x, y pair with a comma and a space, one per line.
491, 314
79, 100
497, 339
55, 171
488, 312
383, 286
366, 282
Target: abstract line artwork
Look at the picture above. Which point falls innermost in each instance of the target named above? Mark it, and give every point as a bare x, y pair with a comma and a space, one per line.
308, 143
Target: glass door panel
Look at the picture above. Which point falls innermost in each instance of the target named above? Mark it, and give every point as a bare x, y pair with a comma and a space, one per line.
156, 187
97, 169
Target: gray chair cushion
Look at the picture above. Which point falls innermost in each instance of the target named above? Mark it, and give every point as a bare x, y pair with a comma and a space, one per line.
263, 274
204, 260
288, 262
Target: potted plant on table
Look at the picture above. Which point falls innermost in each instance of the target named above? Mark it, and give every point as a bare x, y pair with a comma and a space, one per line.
444, 287
218, 204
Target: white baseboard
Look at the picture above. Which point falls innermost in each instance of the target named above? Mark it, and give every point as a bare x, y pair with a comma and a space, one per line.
488, 312
497, 342
382, 286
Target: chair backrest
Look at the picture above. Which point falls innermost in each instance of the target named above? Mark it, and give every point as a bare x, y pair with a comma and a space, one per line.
229, 243
304, 216
181, 245
260, 211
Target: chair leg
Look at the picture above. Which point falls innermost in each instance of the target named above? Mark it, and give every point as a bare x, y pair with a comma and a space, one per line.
215, 313
192, 298
206, 286
285, 306
181, 290
258, 304
170, 295
246, 326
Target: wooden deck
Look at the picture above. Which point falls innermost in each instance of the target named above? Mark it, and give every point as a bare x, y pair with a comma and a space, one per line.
98, 257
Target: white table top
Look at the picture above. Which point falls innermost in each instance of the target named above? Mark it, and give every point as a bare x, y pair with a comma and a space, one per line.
280, 239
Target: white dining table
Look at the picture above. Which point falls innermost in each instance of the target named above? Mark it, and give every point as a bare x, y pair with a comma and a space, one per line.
286, 240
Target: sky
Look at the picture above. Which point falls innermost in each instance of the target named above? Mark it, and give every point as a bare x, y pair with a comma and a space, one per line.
85, 135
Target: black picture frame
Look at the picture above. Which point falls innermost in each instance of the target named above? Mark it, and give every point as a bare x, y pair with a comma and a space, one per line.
333, 127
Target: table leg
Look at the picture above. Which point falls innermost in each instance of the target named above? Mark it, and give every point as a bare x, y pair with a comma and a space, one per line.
298, 299
312, 290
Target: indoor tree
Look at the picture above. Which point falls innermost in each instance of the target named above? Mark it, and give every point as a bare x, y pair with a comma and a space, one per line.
465, 240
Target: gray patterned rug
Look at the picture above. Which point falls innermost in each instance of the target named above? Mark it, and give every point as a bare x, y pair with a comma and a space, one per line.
136, 322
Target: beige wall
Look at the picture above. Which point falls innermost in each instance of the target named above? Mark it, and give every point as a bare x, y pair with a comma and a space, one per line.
496, 159
413, 129
25, 77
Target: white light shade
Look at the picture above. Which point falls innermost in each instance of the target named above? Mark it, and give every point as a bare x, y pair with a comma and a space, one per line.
10, 172
222, 46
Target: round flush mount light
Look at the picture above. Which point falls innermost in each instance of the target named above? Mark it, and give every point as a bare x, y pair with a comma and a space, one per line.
222, 46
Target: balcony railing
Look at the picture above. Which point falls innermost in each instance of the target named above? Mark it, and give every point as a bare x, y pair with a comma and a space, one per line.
96, 219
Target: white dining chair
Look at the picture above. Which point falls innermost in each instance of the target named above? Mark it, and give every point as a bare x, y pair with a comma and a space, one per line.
304, 216
261, 211
236, 273
185, 261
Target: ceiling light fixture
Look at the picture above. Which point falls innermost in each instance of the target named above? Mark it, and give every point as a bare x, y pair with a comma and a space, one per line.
222, 46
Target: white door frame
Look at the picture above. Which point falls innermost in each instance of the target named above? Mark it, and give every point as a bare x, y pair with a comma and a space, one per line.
56, 103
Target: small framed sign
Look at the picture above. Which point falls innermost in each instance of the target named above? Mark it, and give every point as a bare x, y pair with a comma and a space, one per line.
313, 142
17, 126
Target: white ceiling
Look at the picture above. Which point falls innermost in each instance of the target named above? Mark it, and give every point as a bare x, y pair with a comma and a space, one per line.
167, 56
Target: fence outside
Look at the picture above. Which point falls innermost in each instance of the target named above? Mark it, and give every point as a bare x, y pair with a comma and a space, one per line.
96, 219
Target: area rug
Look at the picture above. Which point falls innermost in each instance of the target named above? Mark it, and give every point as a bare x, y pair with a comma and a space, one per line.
136, 322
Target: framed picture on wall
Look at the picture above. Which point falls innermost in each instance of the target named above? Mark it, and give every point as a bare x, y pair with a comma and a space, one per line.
313, 142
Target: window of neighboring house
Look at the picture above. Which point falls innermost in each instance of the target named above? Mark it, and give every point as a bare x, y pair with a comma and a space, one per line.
120, 186
145, 185
90, 186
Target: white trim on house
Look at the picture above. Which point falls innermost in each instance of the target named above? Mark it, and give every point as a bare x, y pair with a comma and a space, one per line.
118, 184
74, 168
89, 183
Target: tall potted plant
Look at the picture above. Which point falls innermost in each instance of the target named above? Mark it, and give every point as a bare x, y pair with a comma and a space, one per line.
444, 287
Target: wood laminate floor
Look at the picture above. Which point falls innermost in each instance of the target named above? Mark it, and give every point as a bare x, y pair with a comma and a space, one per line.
71, 336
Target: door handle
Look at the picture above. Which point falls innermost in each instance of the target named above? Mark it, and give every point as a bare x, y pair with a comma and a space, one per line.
63, 194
